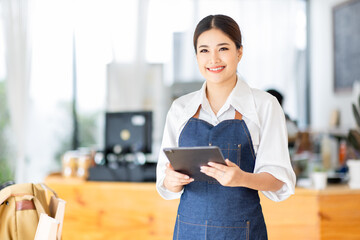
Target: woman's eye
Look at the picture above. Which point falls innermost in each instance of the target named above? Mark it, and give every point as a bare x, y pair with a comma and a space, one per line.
223, 49
203, 50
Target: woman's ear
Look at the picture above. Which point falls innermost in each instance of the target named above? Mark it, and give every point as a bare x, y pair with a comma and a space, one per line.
240, 53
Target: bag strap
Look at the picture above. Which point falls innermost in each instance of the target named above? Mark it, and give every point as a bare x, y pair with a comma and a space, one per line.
44, 186
5, 193
39, 207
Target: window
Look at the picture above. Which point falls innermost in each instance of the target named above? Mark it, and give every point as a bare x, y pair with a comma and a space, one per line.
6, 153
76, 42
68, 50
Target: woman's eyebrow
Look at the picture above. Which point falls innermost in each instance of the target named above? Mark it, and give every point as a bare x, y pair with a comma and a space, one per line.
203, 46
220, 44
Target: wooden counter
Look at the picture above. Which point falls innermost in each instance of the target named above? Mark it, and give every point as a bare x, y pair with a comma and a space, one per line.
118, 210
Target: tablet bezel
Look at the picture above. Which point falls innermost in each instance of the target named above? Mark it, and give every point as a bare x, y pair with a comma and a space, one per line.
188, 160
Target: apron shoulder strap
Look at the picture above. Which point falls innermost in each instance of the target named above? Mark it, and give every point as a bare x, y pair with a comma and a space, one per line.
238, 115
196, 115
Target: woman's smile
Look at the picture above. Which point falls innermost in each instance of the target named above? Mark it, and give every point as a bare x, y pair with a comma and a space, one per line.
217, 57
216, 69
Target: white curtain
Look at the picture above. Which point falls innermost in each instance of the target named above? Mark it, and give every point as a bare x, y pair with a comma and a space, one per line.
270, 39
16, 18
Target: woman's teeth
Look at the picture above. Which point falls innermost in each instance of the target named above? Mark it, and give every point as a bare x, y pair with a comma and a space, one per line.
216, 69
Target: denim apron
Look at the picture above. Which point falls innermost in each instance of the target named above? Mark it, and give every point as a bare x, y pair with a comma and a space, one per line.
208, 210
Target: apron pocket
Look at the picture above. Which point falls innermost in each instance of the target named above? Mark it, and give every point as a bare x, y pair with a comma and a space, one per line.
188, 228
232, 152
228, 230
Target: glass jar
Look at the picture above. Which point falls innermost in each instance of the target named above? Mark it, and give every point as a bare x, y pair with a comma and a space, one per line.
70, 164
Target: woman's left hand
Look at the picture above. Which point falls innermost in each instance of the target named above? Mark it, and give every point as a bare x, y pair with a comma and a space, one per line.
230, 175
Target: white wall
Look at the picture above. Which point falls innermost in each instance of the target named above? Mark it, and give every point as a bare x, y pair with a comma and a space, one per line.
323, 98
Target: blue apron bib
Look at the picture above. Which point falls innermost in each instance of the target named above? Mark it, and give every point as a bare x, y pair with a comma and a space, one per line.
208, 210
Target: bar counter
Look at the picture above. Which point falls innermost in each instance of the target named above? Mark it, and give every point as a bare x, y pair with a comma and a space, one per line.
125, 210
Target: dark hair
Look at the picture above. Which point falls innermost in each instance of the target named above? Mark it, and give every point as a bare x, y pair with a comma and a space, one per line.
276, 94
224, 23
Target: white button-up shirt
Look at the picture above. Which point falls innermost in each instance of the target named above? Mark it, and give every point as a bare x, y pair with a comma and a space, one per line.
264, 118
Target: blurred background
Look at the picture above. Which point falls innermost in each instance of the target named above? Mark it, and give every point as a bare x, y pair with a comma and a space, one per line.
65, 64
85, 86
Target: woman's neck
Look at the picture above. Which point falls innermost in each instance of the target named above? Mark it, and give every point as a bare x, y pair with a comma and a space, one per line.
217, 94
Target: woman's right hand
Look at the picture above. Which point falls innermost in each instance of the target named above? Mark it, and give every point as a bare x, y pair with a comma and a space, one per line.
175, 181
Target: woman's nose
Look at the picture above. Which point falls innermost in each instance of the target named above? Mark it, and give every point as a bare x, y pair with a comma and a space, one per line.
214, 58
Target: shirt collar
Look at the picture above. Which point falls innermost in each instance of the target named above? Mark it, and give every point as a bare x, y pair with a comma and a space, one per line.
193, 105
241, 98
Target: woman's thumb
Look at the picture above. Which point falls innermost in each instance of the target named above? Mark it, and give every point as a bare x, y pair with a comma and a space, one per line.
230, 163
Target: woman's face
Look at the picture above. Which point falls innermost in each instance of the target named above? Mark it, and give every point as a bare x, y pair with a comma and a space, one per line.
217, 56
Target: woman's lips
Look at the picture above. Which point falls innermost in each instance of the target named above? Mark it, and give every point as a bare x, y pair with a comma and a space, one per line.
216, 69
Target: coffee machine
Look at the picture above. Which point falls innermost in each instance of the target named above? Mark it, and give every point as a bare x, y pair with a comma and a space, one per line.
128, 142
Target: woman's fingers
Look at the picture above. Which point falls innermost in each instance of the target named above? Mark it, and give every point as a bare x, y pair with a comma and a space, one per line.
168, 165
213, 172
222, 167
225, 175
179, 181
176, 174
230, 163
216, 170
218, 166
176, 178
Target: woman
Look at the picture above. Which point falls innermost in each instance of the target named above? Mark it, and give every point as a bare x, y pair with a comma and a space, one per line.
249, 127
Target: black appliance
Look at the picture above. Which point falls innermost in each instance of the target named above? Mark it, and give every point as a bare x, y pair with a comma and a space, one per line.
128, 138
128, 132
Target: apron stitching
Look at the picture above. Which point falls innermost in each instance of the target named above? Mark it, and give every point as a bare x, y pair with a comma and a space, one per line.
200, 120
178, 227
228, 149
252, 151
239, 158
190, 120
247, 230
206, 225
224, 227
205, 229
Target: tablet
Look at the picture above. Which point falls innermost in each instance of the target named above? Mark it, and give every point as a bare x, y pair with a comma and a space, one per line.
188, 160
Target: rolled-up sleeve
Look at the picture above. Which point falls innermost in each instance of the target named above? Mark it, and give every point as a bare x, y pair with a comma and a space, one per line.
169, 140
273, 154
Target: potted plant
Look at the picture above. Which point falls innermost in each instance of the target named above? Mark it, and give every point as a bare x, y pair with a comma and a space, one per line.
319, 177
354, 140
6, 168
